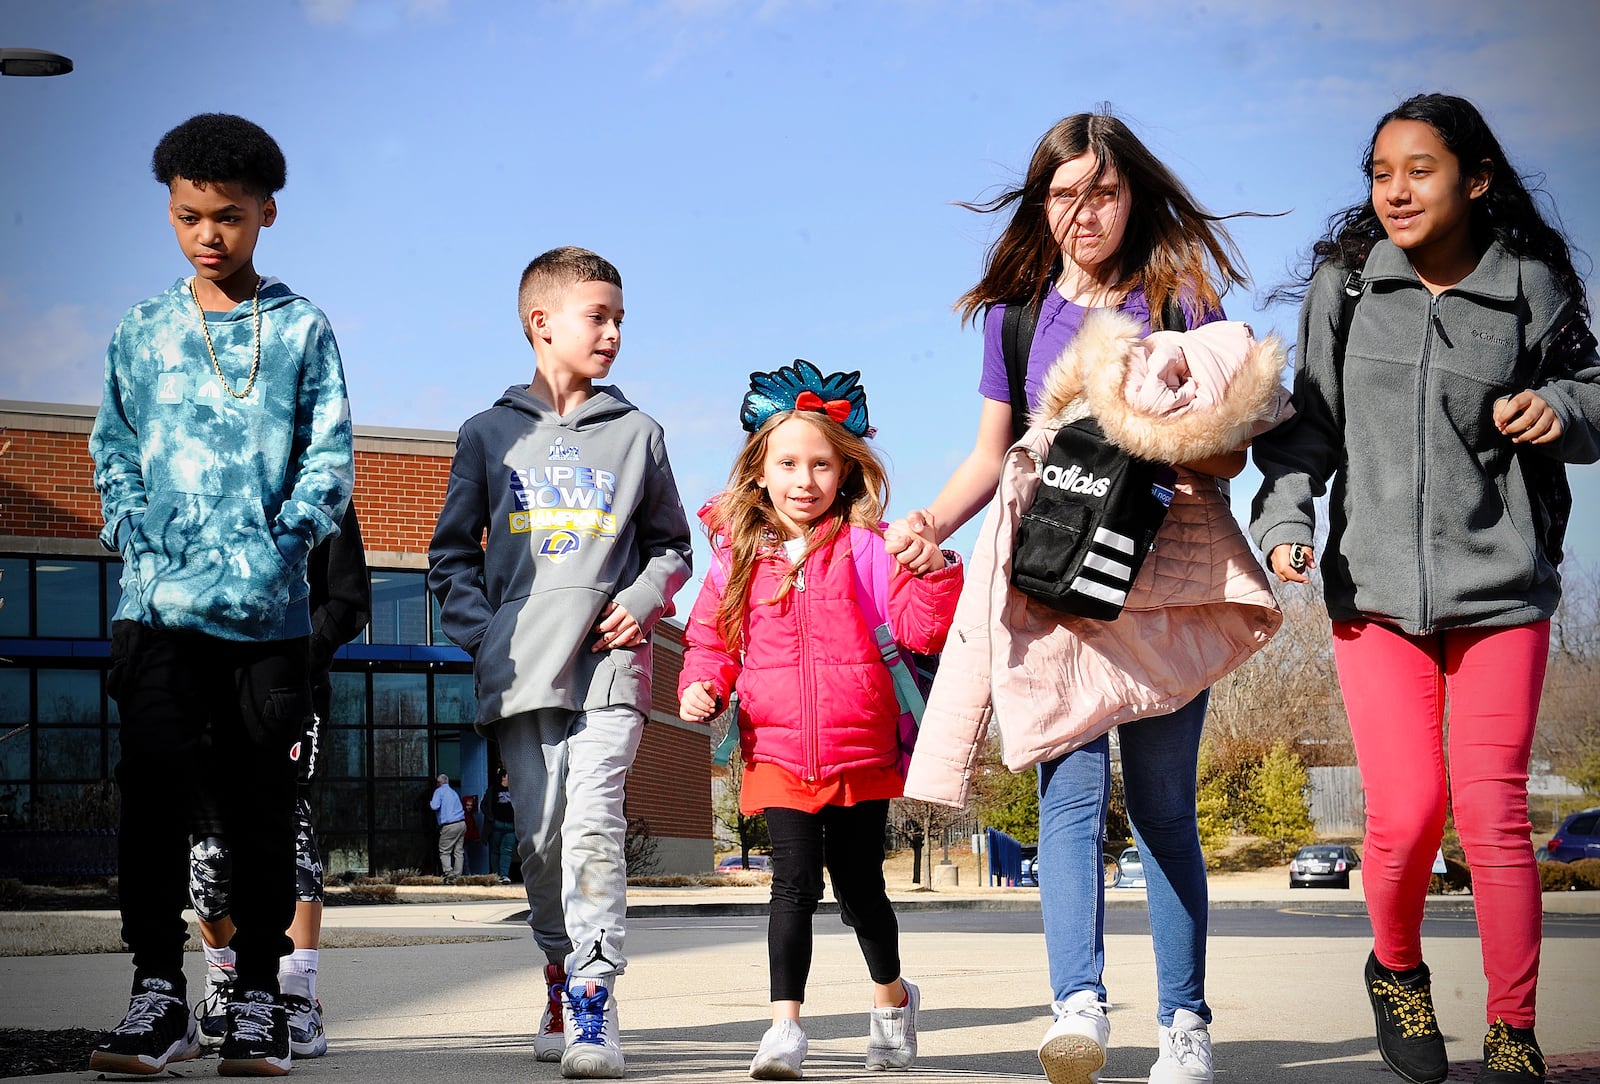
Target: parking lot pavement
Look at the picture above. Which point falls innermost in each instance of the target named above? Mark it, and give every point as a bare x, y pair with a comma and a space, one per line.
694, 1000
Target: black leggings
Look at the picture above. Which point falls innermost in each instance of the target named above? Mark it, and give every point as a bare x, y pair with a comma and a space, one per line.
849, 841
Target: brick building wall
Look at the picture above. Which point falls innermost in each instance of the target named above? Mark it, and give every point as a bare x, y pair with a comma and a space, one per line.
48, 505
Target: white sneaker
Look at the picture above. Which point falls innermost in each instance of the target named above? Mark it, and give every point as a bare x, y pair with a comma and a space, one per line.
589, 1018
892, 1033
1074, 1049
1185, 1051
782, 1049
550, 1041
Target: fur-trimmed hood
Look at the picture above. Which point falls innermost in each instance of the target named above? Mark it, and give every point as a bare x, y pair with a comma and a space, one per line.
1172, 396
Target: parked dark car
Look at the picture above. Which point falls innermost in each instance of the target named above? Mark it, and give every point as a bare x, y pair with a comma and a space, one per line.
759, 863
1323, 865
1578, 837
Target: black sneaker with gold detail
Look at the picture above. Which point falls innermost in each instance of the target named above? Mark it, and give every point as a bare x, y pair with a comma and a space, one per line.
1408, 1031
1511, 1055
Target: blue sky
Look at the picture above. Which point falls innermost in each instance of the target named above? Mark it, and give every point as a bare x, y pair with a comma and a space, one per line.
774, 180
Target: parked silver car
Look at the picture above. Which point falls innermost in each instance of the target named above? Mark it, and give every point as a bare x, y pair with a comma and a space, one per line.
1323, 865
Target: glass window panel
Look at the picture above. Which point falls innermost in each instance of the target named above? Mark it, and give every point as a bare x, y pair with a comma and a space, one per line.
438, 621
113, 593
405, 851
339, 807
15, 595
447, 753
344, 852
14, 753
75, 805
399, 608
15, 805
69, 752
69, 598
69, 696
349, 706
399, 700
16, 703
400, 752
344, 753
402, 805
455, 703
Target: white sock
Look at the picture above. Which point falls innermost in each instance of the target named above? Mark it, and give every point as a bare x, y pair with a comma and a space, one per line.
219, 957
297, 973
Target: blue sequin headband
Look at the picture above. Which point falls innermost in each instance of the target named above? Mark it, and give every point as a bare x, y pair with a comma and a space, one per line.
802, 386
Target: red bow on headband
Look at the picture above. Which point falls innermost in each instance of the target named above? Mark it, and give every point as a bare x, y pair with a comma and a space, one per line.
837, 409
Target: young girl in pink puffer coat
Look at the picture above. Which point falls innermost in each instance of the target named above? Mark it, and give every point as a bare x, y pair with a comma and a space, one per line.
780, 620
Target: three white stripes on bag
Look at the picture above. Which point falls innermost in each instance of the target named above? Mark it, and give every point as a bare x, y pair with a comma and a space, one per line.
1106, 566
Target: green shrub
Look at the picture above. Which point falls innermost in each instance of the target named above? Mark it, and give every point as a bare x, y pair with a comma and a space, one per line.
1556, 877
1279, 809
1585, 874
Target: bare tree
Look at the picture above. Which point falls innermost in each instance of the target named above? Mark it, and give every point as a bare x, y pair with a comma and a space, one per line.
1287, 692
1568, 737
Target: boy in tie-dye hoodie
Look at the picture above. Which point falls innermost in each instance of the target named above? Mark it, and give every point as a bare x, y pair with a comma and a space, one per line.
222, 453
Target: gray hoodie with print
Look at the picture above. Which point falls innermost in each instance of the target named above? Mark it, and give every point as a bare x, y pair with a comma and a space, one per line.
1431, 521
580, 510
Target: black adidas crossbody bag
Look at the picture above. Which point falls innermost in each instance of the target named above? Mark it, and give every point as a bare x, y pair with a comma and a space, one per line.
1097, 510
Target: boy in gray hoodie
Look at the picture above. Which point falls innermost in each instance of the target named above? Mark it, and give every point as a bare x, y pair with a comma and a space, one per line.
587, 543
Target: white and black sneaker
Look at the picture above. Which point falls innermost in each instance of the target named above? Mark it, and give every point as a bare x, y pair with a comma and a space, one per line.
257, 1042
158, 1029
306, 1037
212, 1012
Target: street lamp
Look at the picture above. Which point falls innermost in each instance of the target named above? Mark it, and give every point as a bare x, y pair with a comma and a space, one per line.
32, 62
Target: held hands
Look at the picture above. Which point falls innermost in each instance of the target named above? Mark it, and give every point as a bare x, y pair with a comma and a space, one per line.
699, 703
1293, 562
1526, 418
616, 628
913, 541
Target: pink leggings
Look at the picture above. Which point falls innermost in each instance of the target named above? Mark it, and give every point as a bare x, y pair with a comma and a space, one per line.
1395, 688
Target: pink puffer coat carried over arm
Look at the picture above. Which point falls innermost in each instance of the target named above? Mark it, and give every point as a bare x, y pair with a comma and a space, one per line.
1200, 607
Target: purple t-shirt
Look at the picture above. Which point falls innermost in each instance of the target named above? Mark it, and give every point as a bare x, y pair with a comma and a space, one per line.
1059, 321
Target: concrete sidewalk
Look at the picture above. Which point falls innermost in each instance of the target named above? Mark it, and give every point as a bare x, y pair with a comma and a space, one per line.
694, 1000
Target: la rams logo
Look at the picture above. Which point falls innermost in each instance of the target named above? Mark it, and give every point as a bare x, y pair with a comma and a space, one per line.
559, 545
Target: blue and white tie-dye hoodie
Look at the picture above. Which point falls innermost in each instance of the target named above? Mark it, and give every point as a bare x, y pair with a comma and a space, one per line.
214, 502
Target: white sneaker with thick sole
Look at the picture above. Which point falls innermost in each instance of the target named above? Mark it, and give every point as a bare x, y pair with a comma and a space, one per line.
590, 1021
550, 1041
892, 1033
1185, 1051
783, 1049
1074, 1049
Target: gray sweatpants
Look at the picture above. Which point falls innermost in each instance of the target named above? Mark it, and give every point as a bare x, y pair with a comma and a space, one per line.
567, 774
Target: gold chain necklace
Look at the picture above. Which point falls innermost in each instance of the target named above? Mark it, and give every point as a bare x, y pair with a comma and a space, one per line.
255, 366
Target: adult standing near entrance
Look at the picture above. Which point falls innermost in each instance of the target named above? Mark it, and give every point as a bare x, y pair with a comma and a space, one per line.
499, 812
446, 805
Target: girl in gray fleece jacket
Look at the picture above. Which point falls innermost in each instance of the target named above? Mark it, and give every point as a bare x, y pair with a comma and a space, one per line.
1444, 398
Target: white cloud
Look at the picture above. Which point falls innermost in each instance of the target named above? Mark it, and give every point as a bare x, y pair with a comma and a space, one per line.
329, 12
57, 356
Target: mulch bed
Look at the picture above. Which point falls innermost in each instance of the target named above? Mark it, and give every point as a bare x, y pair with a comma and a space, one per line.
28, 1053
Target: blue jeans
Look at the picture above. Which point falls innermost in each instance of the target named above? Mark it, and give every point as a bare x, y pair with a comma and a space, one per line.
1160, 758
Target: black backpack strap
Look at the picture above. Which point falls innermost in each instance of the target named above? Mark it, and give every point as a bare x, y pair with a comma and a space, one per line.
1173, 318
1016, 338
1354, 287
